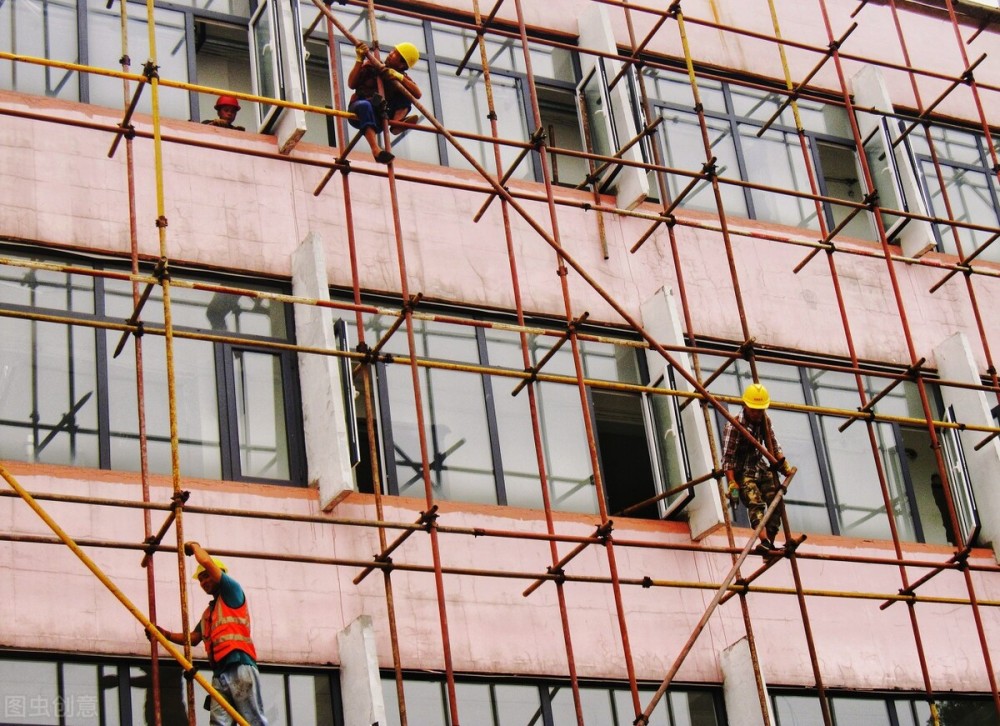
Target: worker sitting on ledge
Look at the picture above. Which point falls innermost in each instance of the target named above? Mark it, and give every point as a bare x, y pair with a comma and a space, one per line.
225, 630
749, 473
369, 107
227, 107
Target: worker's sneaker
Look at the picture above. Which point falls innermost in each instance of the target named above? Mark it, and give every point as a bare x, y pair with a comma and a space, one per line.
395, 129
384, 157
766, 547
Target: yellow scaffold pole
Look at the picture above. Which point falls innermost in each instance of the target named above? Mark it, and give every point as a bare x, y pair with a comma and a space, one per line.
188, 666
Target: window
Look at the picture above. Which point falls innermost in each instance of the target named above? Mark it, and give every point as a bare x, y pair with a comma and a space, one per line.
970, 185
67, 400
478, 435
837, 488
734, 117
28, 27
459, 100
498, 703
806, 710
115, 692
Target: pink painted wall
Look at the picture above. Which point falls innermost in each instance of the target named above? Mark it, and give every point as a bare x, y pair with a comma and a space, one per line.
299, 608
236, 211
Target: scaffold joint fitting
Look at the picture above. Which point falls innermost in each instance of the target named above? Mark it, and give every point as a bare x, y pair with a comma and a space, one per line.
428, 518
603, 532
675, 8
478, 532
871, 200
558, 573
161, 272
191, 672
161, 222
179, 499
492, 116
647, 582
562, 271
124, 60
710, 170
140, 329
641, 720
968, 77
150, 70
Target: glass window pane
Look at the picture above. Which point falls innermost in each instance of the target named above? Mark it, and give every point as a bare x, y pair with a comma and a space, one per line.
517, 704
798, 711
104, 43
425, 703
596, 703
29, 691
272, 691
971, 195
626, 710
674, 87
685, 149
173, 687
693, 708
310, 699
474, 703
869, 711
775, 160
260, 413
197, 410
48, 388
760, 106
42, 30
463, 99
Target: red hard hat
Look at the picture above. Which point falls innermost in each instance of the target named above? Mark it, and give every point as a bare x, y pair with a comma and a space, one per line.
227, 101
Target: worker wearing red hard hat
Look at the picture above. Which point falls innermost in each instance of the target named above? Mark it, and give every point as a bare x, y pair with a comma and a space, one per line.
751, 477
369, 107
227, 107
225, 631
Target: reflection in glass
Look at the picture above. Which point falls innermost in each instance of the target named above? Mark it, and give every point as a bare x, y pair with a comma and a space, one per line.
104, 46
42, 34
260, 414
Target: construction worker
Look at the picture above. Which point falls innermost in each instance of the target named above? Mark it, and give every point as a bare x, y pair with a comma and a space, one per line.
751, 477
226, 107
225, 630
369, 107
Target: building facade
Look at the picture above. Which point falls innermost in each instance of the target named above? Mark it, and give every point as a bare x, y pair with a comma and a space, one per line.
455, 422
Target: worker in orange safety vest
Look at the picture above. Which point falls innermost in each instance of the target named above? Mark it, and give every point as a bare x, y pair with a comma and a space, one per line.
225, 631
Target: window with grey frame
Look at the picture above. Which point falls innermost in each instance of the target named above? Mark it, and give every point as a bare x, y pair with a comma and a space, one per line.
116, 692
735, 114
516, 702
65, 399
479, 438
838, 489
459, 100
796, 709
970, 184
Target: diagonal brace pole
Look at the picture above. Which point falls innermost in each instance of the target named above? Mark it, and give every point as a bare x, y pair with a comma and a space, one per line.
719, 593
189, 668
910, 372
426, 520
555, 572
149, 71
533, 372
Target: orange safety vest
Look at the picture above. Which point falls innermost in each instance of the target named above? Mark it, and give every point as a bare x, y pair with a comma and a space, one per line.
225, 629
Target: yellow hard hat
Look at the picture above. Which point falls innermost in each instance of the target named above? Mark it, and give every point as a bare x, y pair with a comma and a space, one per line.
409, 53
756, 396
218, 563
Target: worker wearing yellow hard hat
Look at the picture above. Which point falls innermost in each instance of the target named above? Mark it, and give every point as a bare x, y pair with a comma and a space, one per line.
225, 630
751, 477
370, 107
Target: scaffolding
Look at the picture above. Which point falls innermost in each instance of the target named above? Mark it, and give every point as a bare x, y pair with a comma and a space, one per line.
562, 548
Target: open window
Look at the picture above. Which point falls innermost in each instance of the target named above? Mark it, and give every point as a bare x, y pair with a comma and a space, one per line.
609, 117
278, 62
886, 177
960, 483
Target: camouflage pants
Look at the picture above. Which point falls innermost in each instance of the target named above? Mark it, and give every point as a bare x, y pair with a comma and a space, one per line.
756, 493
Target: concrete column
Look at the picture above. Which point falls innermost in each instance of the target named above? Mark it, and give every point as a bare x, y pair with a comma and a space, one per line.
739, 687
659, 317
323, 420
956, 363
360, 683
